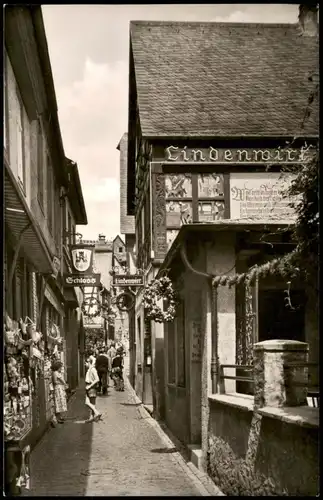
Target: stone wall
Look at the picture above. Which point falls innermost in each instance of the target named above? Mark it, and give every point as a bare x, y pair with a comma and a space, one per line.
251, 455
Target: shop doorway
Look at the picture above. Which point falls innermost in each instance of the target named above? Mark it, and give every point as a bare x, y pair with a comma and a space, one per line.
278, 320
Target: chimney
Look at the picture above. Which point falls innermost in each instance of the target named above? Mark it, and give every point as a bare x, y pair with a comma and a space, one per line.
102, 237
307, 18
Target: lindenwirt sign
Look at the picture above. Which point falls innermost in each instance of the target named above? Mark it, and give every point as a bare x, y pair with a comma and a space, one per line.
248, 155
128, 280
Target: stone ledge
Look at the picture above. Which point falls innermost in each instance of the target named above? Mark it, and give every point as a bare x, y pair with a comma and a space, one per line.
235, 399
304, 416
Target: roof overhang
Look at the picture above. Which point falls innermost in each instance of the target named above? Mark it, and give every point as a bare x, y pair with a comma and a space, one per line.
218, 226
75, 194
18, 218
70, 297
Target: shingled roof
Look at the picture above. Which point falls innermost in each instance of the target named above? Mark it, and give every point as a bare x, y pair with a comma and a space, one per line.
223, 79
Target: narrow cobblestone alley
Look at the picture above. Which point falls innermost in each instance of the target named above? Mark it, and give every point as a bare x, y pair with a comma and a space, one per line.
121, 455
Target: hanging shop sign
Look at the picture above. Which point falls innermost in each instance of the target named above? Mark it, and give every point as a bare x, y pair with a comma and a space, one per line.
260, 196
128, 280
92, 279
233, 155
82, 258
56, 263
125, 301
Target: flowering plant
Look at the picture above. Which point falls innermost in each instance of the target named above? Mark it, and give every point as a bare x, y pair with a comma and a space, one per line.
157, 289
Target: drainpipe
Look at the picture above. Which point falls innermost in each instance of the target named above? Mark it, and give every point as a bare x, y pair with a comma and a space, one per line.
214, 319
214, 331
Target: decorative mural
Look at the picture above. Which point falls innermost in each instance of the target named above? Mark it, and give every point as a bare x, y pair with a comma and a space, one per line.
159, 215
210, 185
178, 186
178, 213
143, 160
210, 211
173, 203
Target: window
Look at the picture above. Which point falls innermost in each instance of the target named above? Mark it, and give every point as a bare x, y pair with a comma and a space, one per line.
63, 202
191, 198
57, 219
120, 249
180, 344
50, 189
211, 197
73, 235
139, 340
5, 106
171, 352
40, 165
69, 229
143, 223
20, 140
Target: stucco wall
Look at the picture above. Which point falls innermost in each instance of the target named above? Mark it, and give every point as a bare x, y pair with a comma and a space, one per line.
221, 259
252, 455
103, 264
177, 413
312, 332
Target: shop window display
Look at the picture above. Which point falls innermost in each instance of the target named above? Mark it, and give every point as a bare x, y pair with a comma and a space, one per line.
28, 358
18, 386
18, 393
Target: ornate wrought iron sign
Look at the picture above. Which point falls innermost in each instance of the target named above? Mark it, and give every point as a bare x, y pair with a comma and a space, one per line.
125, 301
82, 258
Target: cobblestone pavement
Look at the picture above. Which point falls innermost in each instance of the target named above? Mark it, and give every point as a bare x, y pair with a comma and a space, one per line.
122, 455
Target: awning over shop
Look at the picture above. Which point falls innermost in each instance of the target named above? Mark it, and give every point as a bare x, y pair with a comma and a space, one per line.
18, 219
52, 298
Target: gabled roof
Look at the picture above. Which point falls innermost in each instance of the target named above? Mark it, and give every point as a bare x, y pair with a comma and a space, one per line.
118, 238
223, 79
75, 194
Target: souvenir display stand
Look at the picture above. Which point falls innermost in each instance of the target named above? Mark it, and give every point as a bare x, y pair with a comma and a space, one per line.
20, 341
26, 362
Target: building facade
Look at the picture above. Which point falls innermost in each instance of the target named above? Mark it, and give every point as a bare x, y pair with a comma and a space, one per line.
127, 229
38, 310
206, 151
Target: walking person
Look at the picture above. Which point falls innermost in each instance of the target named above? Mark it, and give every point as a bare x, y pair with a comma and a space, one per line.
59, 385
111, 353
117, 370
102, 365
91, 382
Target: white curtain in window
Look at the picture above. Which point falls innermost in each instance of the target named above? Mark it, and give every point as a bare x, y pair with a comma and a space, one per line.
20, 139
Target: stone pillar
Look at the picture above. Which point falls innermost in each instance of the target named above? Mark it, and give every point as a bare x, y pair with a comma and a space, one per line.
276, 384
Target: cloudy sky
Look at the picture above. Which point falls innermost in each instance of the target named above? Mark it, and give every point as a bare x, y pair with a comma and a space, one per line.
89, 50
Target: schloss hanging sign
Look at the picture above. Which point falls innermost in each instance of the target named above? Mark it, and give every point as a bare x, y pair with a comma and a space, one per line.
82, 258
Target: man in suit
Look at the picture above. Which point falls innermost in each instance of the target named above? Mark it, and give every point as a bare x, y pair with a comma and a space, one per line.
103, 365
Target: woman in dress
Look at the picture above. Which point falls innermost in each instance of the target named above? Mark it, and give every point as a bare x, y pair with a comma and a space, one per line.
59, 391
91, 383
